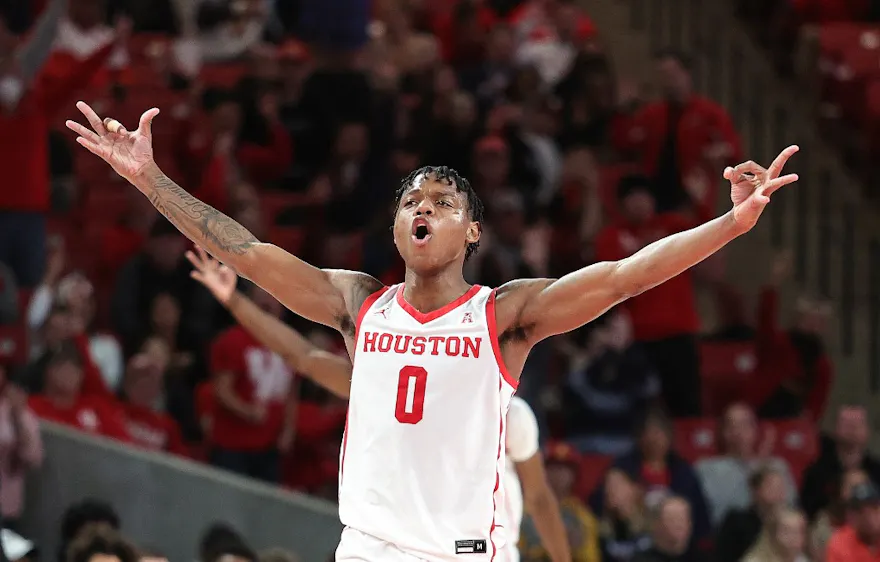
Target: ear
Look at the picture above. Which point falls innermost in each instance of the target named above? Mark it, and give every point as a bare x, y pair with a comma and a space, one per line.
473, 232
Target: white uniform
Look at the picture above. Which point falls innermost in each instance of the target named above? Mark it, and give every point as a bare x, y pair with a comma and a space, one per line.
522, 444
420, 475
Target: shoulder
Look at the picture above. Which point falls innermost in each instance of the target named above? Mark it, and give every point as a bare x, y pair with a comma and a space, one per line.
356, 287
522, 431
840, 538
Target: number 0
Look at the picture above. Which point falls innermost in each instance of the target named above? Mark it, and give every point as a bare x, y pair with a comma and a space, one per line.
411, 384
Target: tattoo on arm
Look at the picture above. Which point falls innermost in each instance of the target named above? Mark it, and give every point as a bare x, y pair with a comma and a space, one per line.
199, 221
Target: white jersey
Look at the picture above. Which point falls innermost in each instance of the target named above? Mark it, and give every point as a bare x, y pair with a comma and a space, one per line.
423, 452
522, 444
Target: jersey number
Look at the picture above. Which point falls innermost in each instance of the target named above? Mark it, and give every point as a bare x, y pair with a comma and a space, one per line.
411, 384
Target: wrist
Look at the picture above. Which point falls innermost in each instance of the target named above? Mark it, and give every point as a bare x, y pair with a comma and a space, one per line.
231, 301
732, 226
146, 175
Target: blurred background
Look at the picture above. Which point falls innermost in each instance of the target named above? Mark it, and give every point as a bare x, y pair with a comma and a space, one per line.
590, 128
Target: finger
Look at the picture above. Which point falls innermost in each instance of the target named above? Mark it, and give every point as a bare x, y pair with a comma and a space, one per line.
749, 167
771, 186
114, 126
193, 260
776, 167
145, 126
203, 255
82, 131
92, 117
728, 173
197, 275
91, 146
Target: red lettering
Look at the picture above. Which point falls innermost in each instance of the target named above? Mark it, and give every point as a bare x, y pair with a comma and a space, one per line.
418, 345
471, 346
397, 346
436, 341
370, 341
452, 350
411, 385
384, 342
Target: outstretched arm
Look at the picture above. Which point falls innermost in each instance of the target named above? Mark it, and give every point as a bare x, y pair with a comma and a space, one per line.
543, 307
330, 297
326, 369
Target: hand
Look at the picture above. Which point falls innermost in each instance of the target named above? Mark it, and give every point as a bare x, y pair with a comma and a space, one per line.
218, 278
128, 153
752, 185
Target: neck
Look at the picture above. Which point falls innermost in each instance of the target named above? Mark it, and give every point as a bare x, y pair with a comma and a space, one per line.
430, 292
740, 453
656, 462
850, 455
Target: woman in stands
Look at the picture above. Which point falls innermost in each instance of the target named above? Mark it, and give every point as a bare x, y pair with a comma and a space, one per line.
623, 529
21, 448
782, 540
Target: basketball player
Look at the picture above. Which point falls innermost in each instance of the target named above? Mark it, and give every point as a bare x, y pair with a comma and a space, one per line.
435, 360
527, 481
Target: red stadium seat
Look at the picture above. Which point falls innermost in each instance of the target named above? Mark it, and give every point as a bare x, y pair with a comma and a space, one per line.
725, 367
13, 345
797, 441
695, 438
224, 75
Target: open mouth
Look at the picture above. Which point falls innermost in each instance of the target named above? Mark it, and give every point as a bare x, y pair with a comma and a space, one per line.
421, 233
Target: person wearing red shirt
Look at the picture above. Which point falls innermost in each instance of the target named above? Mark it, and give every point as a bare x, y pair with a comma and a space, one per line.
255, 401
62, 401
682, 135
147, 426
665, 319
858, 541
793, 374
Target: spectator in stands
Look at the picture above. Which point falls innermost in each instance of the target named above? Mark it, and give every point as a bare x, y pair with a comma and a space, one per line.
123, 239
21, 448
794, 374
62, 401
264, 149
783, 538
256, 402
834, 516
83, 516
142, 393
725, 478
661, 471
664, 318
671, 532
503, 259
160, 268
76, 293
742, 526
680, 135
488, 78
847, 451
623, 529
562, 464
32, 95
101, 545
609, 383
859, 539
215, 538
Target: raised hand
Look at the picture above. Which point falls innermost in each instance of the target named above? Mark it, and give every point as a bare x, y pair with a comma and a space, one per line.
218, 278
752, 185
129, 153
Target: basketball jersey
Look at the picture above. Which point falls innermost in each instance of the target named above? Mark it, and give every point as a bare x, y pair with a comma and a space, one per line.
522, 444
422, 456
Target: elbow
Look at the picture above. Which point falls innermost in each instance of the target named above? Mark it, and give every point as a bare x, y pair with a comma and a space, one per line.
625, 281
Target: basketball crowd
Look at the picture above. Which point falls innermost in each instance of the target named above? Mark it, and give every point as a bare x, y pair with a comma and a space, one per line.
669, 436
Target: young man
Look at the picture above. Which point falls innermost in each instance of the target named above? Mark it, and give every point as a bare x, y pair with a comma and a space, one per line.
421, 463
525, 485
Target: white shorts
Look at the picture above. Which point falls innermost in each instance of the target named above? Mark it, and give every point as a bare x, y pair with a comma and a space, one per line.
355, 546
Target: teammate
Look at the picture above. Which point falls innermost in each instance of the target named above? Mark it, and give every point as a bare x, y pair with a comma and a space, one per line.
435, 360
528, 480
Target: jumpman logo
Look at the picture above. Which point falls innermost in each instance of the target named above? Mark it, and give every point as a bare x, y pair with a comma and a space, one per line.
383, 312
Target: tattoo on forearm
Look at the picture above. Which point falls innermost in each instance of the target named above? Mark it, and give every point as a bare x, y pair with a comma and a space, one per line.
199, 221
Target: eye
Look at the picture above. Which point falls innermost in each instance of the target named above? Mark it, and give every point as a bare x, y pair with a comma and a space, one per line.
444, 203
408, 203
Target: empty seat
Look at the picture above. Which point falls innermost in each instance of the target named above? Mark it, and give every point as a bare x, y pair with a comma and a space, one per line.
696, 438
725, 367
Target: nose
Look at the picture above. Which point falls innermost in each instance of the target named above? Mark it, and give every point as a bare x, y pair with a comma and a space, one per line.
424, 208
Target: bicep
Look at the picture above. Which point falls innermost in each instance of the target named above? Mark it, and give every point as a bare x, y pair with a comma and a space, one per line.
323, 296
556, 306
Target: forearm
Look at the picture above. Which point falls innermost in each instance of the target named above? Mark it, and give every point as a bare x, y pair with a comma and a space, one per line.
229, 400
203, 224
33, 54
666, 258
547, 518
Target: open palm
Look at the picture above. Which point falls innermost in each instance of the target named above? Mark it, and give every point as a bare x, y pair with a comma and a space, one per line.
751, 186
215, 276
127, 152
